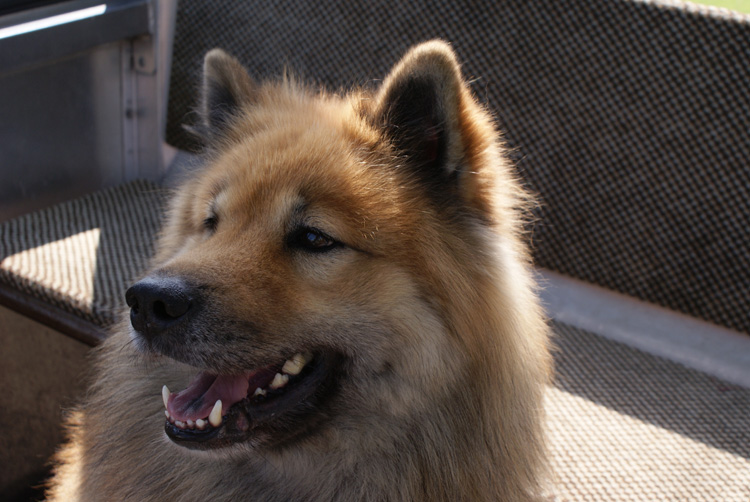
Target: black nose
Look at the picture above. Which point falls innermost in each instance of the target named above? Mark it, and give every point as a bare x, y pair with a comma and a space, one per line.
158, 304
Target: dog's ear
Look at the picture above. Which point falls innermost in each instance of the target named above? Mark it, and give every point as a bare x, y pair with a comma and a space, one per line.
419, 105
227, 87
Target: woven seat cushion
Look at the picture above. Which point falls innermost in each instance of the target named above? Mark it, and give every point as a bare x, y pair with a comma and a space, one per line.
629, 118
81, 255
627, 426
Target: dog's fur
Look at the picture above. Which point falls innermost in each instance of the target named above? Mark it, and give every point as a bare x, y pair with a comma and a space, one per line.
425, 294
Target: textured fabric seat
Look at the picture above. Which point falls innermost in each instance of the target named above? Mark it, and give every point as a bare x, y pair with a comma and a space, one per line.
628, 426
69, 265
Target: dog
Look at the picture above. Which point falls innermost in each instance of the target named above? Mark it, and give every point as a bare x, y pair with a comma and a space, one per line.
341, 307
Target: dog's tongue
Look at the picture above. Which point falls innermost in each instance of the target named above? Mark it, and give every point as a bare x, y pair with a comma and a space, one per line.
197, 400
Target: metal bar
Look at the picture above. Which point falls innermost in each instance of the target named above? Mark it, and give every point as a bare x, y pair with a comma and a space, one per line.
678, 337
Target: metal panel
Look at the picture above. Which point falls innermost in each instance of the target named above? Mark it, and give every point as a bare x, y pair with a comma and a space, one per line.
122, 19
60, 131
86, 120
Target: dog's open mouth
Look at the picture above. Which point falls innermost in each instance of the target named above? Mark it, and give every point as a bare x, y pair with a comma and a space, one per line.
219, 410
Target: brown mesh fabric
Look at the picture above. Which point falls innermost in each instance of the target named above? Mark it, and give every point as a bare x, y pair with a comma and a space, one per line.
631, 119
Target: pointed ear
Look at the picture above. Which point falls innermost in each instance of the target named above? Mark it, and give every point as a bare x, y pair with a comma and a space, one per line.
419, 106
226, 88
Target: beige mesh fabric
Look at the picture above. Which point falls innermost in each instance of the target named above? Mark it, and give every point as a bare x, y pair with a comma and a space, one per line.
81, 255
628, 426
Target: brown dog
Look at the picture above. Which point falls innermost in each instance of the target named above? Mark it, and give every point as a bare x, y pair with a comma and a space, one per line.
342, 301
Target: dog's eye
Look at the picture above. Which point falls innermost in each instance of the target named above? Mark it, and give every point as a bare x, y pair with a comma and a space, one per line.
210, 223
313, 240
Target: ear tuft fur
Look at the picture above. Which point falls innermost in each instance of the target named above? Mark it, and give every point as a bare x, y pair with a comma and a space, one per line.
419, 107
226, 88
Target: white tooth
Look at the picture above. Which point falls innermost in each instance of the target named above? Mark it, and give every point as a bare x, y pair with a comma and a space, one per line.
166, 413
200, 423
259, 392
215, 417
290, 367
279, 381
190, 424
294, 365
179, 424
165, 395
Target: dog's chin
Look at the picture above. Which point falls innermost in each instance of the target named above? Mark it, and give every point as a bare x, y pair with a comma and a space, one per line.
269, 406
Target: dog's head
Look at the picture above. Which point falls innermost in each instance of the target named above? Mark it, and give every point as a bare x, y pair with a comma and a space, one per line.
316, 259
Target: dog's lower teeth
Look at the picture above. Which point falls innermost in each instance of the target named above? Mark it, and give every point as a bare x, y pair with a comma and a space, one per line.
292, 367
